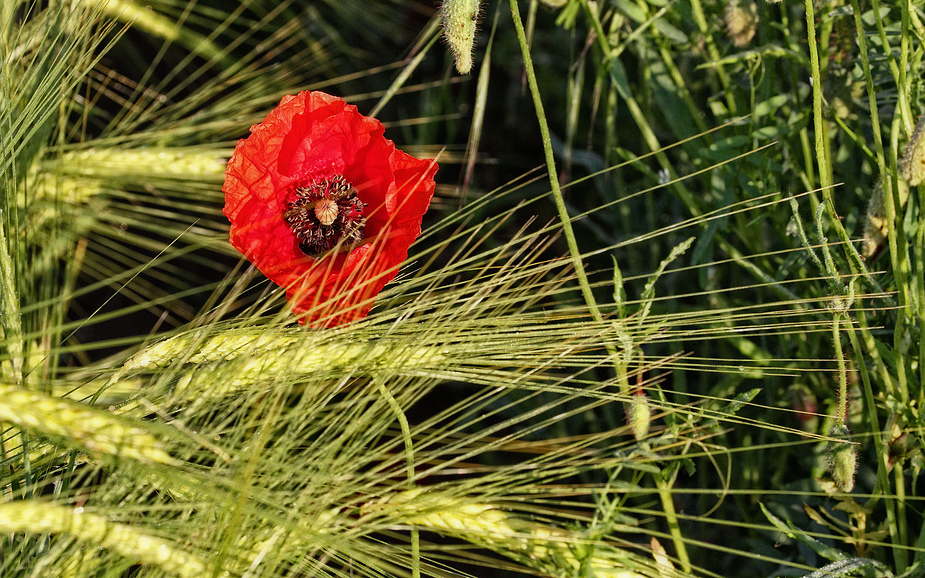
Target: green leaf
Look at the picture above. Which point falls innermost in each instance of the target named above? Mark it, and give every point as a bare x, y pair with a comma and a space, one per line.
618, 75
792, 532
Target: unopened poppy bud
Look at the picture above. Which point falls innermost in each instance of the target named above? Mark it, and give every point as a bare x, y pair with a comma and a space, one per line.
460, 18
638, 416
843, 460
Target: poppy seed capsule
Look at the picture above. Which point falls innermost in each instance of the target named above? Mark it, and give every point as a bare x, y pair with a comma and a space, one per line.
325, 213
326, 210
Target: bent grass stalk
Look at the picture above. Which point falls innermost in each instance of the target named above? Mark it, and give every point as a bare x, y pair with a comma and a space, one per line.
893, 508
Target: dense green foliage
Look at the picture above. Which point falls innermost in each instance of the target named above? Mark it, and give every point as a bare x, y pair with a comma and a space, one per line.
680, 334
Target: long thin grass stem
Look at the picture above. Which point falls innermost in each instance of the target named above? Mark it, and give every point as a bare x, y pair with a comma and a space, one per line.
567, 230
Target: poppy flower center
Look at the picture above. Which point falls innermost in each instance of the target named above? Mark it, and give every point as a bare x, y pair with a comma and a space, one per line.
326, 213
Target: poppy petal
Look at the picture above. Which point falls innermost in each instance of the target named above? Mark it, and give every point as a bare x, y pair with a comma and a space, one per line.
310, 137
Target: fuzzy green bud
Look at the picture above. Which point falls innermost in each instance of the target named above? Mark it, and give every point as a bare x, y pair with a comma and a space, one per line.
843, 460
638, 416
460, 18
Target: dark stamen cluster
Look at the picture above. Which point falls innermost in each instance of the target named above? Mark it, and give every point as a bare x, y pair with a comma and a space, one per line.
315, 225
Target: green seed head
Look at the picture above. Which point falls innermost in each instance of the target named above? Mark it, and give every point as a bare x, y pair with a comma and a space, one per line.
460, 18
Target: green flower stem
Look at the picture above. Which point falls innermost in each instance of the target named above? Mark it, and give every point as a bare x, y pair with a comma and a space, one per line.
871, 405
902, 81
821, 146
899, 260
409, 461
889, 199
920, 298
822, 160
902, 529
574, 251
841, 413
664, 486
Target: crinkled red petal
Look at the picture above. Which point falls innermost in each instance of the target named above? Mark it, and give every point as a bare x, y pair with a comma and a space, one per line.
311, 136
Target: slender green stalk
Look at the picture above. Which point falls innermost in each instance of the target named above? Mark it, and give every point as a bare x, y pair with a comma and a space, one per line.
841, 412
822, 160
899, 258
409, 463
920, 297
821, 147
567, 230
871, 406
667, 500
898, 74
902, 81
902, 526
408, 70
882, 451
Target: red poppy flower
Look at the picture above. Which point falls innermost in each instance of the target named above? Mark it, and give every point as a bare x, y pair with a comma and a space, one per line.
324, 205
